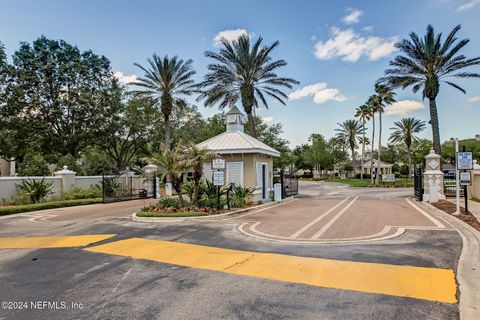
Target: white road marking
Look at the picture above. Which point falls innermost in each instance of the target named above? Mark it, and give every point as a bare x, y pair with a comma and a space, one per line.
426, 215
307, 226
332, 221
260, 210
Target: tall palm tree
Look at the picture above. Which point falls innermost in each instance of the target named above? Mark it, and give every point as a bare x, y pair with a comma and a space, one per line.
363, 114
348, 132
195, 159
405, 131
244, 71
425, 63
385, 97
373, 104
166, 83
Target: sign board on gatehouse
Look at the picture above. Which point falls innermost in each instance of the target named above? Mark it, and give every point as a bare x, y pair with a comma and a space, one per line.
464, 161
218, 164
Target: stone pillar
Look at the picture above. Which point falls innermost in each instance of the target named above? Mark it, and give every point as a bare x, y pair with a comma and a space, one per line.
433, 178
68, 179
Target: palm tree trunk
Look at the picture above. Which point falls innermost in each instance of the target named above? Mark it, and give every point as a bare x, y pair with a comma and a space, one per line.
251, 125
373, 146
409, 153
435, 126
363, 149
377, 176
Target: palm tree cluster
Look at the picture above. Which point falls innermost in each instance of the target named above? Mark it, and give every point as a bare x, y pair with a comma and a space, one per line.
243, 71
424, 63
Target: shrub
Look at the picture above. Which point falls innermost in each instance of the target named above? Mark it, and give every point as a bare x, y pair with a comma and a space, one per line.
33, 164
365, 176
47, 205
241, 196
79, 193
169, 203
189, 188
109, 186
37, 190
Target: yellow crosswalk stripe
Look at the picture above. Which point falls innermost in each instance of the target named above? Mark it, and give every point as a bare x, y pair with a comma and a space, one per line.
51, 242
404, 281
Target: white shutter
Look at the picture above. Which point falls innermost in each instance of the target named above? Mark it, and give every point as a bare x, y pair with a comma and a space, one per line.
207, 171
235, 173
259, 175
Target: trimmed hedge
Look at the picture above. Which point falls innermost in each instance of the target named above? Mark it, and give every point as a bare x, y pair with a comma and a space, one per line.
47, 205
176, 214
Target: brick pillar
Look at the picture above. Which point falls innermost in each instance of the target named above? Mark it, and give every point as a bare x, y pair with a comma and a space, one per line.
433, 178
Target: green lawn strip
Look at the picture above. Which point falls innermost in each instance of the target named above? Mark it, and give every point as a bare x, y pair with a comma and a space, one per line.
358, 183
171, 215
47, 205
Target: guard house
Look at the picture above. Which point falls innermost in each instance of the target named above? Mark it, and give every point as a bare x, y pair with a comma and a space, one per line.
249, 162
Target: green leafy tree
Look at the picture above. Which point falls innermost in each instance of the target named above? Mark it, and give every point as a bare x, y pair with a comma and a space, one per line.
61, 96
33, 164
405, 131
317, 154
348, 133
363, 113
245, 72
420, 148
166, 82
427, 62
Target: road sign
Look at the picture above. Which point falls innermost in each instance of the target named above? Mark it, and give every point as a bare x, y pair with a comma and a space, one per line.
218, 164
464, 161
218, 178
465, 179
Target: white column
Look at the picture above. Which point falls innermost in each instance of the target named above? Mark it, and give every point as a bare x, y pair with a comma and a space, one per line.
68, 179
433, 178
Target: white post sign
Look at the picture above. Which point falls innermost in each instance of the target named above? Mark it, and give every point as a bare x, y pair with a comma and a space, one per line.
465, 178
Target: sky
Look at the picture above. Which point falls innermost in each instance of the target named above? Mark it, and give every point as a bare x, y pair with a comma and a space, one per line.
336, 49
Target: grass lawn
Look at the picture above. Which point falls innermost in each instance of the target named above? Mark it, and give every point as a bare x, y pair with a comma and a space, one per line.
367, 182
173, 214
46, 205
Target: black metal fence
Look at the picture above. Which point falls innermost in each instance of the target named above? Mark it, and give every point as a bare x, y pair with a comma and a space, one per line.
125, 186
418, 183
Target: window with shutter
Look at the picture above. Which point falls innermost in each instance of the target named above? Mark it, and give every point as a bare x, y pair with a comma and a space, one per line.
235, 173
259, 175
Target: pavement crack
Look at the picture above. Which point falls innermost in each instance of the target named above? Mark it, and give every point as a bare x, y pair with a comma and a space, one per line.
239, 263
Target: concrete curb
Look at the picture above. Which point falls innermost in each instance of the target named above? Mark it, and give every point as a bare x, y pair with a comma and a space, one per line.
208, 218
468, 270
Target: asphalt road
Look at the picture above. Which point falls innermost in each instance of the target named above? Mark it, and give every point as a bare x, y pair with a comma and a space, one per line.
116, 287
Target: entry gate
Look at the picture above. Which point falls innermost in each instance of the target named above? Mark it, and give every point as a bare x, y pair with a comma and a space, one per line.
125, 186
289, 183
418, 183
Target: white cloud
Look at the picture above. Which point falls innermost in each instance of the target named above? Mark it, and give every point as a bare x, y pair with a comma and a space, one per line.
474, 99
403, 107
468, 5
351, 46
230, 35
320, 92
267, 119
353, 16
368, 28
123, 79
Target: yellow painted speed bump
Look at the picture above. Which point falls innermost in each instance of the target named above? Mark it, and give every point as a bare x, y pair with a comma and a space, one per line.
51, 242
404, 281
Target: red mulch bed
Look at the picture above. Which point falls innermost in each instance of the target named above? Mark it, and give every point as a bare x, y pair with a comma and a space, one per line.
450, 208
